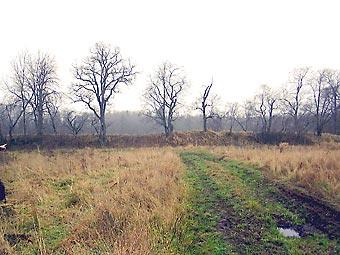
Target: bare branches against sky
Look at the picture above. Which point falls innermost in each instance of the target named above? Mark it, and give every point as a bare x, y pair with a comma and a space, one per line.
242, 44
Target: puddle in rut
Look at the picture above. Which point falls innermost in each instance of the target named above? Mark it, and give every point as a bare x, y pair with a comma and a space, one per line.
288, 232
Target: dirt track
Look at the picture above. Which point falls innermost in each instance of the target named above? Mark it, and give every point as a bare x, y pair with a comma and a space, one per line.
246, 210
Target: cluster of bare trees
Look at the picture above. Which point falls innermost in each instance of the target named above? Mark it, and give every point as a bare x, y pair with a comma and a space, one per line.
309, 100
32, 92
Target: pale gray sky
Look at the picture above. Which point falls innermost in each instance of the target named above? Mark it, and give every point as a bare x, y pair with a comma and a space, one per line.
242, 44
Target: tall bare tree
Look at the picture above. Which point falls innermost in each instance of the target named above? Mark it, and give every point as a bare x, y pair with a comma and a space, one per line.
19, 89
293, 98
266, 104
98, 78
163, 94
42, 83
321, 105
333, 79
206, 105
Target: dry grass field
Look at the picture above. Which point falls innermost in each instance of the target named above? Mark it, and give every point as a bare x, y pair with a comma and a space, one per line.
91, 201
183, 200
314, 168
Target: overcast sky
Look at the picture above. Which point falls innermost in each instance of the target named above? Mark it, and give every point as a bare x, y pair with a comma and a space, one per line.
241, 44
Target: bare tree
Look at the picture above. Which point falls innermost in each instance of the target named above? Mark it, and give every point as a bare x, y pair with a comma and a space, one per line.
333, 79
98, 79
74, 122
52, 107
206, 106
231, 114
293, 98
18, 88
321, 105
266, 104
13, 114
162, 96
42, 82
243, 118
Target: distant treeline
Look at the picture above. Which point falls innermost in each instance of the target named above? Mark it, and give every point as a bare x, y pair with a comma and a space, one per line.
34, 104
135, 123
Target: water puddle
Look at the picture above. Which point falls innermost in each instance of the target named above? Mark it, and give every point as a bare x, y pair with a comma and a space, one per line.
288, 232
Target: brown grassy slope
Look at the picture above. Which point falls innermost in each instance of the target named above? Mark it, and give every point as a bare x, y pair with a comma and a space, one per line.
119, 202
125, 141
196, 138
314, 168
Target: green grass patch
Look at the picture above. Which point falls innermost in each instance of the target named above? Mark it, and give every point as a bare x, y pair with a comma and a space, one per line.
200, 235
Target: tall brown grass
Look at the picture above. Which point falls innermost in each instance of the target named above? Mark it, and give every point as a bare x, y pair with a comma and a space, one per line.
316, 169
93, 200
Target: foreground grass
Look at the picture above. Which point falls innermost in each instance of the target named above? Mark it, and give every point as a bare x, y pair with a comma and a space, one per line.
91, 201
235, 211
144, 201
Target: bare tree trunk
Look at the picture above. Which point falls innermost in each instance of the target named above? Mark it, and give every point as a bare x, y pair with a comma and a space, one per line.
10, 134
166, 131
335, 115
169, 126
318, 128
24, 124
54, 127
40, 114
102, 136
296, 129
40, 124
204, 122
270, 120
